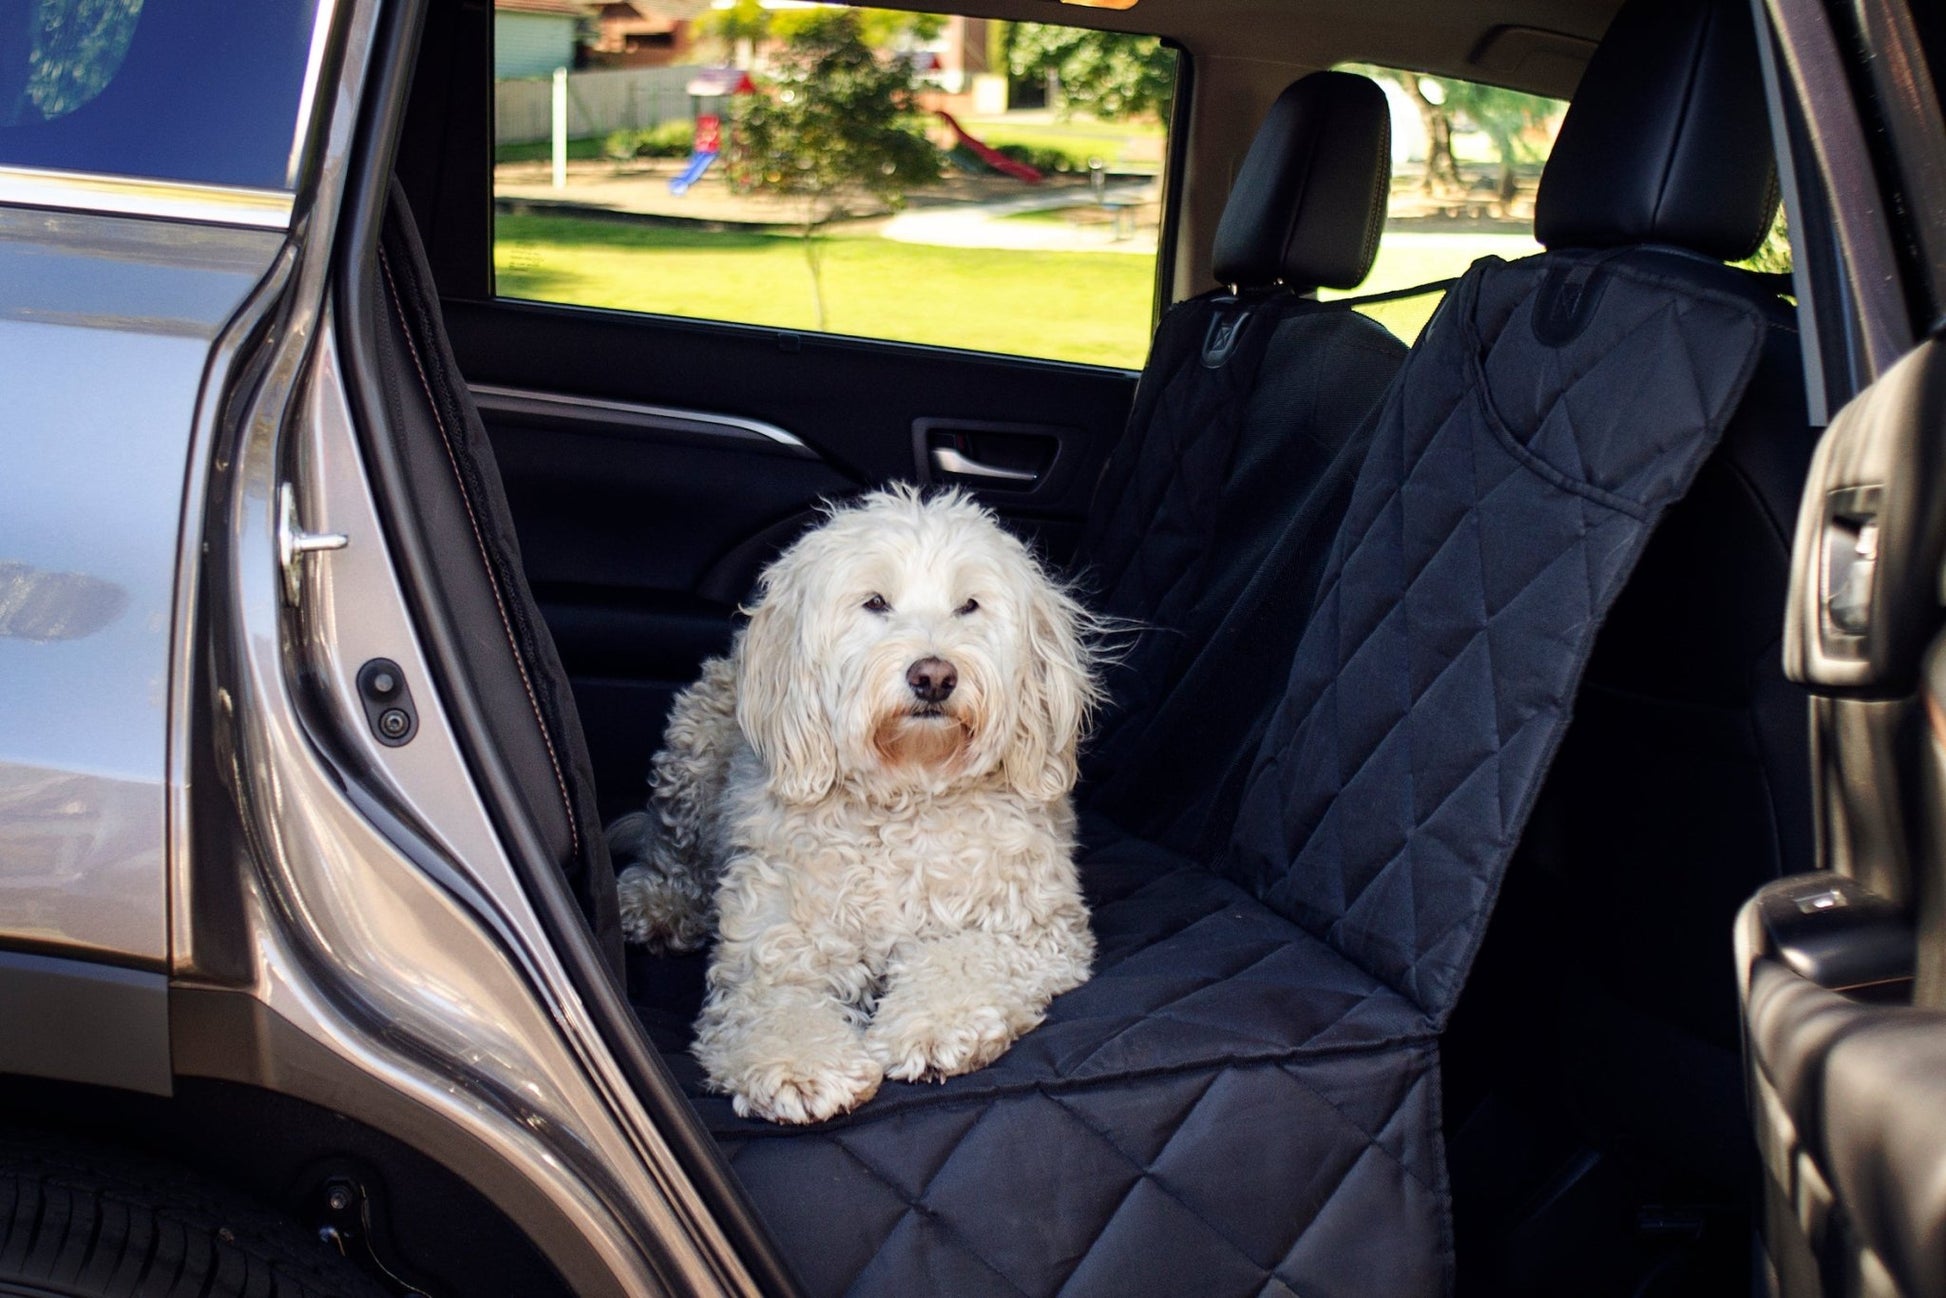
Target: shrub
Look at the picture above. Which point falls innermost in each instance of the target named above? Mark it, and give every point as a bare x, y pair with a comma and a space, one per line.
1042, 158
671, 139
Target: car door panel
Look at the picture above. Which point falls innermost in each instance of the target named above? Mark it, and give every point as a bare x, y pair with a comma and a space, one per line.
654, 465
856, 402
1840, 970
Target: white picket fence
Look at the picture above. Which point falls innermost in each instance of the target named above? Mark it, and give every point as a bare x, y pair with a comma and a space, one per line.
598, 102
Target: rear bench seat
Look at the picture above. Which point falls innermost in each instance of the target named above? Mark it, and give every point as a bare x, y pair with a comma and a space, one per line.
1246, 1098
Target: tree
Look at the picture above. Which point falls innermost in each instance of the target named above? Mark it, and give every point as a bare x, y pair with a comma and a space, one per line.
76, 46
745, 25
1504, 116
1110, 74
830, 127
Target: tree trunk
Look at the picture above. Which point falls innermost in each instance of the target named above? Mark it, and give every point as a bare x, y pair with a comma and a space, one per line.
1440, 163
814, 260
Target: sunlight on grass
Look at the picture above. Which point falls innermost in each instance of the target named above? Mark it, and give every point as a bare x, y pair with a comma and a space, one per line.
1088, 307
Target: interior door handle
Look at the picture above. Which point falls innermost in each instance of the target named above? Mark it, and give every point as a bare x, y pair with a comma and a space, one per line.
1851, 562
948, 460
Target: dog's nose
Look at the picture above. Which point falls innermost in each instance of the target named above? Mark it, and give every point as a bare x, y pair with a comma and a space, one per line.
932, 679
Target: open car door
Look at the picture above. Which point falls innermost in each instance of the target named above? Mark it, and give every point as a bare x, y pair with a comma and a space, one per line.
1843, 971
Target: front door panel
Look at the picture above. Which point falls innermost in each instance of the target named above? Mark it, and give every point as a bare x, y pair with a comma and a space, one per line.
1842, 972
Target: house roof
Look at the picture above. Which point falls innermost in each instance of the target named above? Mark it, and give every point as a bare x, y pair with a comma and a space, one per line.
565, 8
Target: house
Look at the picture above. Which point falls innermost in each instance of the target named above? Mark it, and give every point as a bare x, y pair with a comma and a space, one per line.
531, 38
645, 33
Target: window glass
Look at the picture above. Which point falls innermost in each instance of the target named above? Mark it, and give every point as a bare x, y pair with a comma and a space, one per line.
1466, 160
1466, 163
924, 178
191, 90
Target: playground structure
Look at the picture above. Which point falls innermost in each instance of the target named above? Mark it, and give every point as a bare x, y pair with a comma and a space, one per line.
968, 152
715, 83
973, 155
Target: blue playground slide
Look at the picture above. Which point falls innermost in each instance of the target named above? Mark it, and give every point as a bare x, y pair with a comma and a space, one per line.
698, 164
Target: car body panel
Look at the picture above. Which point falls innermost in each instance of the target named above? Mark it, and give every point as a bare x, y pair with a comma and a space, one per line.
105, 331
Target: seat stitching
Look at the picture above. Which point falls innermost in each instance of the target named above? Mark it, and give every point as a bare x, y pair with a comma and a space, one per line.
1142, 1174
917, 1206
493, 585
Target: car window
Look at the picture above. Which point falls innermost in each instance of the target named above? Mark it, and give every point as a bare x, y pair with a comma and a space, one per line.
160, 89
1466, 164
1466, 160
924, 178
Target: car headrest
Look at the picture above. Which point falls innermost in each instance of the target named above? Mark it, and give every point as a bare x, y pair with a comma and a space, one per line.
1667, 140
1309, 201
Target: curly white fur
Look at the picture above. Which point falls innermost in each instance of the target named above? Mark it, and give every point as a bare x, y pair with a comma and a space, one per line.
890, 879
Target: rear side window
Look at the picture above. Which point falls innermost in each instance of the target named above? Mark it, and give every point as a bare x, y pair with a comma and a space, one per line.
1466, 162
181, 90
924, 178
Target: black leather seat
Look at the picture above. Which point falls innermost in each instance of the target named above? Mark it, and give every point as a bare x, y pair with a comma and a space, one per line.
1237, 459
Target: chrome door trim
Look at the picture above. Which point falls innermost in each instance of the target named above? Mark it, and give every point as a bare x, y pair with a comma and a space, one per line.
174, 200
497, 400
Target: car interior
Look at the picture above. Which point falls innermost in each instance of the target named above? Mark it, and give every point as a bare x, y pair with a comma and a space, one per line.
1451, 734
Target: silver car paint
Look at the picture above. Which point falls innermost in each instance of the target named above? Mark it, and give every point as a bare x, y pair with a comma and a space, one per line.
105, 329
339, 923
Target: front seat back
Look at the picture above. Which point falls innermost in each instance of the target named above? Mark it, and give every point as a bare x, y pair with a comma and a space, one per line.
1243, 439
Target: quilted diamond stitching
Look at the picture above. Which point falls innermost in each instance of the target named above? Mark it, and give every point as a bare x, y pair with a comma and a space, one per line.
1406, 894
915, 1205
1366, 1145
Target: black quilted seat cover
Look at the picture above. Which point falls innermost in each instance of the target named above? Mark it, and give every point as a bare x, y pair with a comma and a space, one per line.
1246, 1097
1225, 1103
1549, 414
1223, 462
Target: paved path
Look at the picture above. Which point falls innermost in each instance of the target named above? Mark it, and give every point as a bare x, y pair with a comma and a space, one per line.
603, 187
1116, 225
979, 224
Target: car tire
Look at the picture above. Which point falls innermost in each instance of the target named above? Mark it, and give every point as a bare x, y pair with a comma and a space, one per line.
80, 1221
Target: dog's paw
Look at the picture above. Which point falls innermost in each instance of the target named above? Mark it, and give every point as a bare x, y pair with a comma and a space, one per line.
800, 1091
660, 912
915, 1047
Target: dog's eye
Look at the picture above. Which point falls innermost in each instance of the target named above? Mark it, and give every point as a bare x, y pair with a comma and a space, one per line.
971, 605
877, 604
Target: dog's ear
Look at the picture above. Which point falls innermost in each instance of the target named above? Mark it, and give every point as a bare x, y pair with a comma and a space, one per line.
777, 703
1058, 692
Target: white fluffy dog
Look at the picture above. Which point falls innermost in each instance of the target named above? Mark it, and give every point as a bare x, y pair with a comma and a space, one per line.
868, 803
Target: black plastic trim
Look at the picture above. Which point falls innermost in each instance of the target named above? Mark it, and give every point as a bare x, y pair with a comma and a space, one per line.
1174, 170
126, 1045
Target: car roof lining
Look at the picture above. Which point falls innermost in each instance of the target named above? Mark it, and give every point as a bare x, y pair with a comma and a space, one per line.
1538, 46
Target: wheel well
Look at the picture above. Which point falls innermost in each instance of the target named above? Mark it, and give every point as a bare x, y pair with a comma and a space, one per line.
406, 1219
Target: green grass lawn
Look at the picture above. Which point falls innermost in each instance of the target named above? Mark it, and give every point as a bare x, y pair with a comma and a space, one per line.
1136, 145
1073, 306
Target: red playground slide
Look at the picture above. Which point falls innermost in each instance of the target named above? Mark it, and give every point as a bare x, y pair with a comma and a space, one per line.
992, 157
